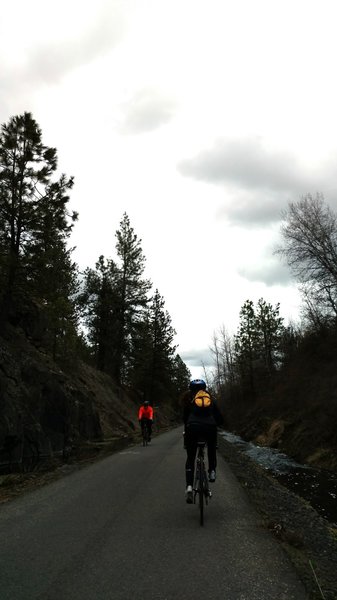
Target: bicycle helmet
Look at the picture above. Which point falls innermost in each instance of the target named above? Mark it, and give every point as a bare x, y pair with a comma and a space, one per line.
146, 403
197, 384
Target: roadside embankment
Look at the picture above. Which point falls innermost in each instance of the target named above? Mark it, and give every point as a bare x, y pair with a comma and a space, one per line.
306, 537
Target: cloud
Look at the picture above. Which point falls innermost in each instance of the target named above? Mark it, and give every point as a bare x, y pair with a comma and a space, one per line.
48, 62
269, 272
262, 263
245, 163
195, 358
254, 208
258, 181
147, 110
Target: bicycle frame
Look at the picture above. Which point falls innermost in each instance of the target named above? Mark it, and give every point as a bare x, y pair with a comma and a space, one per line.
200, 484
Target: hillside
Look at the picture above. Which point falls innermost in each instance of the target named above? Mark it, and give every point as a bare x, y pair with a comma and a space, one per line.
299, 414
49, 412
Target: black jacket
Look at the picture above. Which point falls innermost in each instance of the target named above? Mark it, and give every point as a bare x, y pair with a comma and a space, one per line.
206, 416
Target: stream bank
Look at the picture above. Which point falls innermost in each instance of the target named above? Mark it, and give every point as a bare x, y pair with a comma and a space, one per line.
317, 486
309, 540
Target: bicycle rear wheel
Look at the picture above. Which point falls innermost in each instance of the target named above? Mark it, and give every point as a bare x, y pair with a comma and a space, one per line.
201, 491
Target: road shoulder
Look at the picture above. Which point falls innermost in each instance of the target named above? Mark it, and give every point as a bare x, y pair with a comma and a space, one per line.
305, 536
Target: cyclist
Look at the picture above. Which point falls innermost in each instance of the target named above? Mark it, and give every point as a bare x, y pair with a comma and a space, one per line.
199, 423
145, 415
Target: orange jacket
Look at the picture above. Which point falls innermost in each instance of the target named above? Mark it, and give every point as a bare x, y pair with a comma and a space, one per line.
145, 412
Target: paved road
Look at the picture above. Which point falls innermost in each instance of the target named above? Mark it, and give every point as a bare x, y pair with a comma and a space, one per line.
121, 530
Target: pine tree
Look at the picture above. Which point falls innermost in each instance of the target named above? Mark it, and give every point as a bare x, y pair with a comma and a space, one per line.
99, 301
245, 344
258, 342
180, 377
34, 227
153, 352
131, 295
114, 301
270, 329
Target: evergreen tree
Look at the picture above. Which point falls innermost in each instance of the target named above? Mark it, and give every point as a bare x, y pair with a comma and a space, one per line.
35, 225
52, 276
181, 376
141, 357
258, 342
114, 301
153, 352
131, 295
98, 300
269, 326
163, 344
245, 344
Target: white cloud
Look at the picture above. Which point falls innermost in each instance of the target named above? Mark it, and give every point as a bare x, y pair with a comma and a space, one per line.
198, 357
259, 181
55, 50
268, 271
246, 163
147, 110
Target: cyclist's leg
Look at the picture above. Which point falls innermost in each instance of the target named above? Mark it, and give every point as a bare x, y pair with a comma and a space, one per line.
211, 450
149, 424
191, 450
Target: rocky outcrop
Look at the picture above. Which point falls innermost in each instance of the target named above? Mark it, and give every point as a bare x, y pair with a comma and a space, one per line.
45, 410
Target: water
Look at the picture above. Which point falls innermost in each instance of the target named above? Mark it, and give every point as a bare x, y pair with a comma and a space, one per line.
317, 486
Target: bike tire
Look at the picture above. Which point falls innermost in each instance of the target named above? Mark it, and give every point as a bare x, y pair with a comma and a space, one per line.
201, 492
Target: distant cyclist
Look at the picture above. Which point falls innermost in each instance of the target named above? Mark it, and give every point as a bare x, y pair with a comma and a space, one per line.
201, 419
145, 415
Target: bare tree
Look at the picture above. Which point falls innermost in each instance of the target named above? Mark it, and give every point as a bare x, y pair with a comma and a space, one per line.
222, 350
215, 350
309, 246
227, 351
208, 376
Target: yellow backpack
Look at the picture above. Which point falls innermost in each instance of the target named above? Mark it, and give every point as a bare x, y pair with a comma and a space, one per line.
202, 399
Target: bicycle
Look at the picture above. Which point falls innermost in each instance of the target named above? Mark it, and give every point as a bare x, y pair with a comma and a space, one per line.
200, 482
145, 433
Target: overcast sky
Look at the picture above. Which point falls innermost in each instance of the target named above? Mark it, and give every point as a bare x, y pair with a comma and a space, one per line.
199, 119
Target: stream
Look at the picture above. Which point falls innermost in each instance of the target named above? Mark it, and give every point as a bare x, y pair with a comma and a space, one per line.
317, 486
